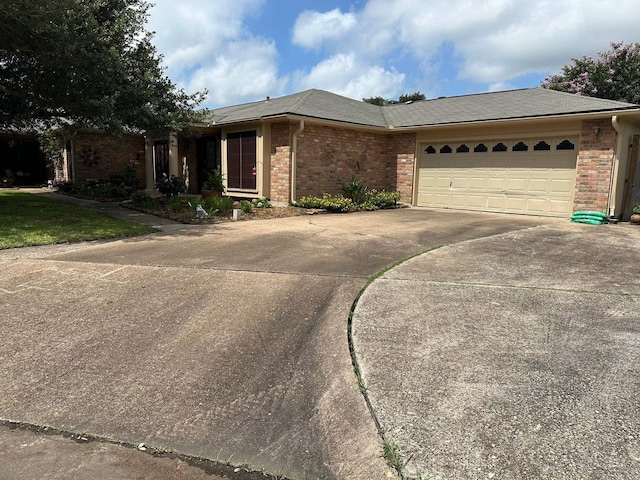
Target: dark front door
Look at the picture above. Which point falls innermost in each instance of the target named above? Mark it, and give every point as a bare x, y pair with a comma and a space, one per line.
160, 158
208, 157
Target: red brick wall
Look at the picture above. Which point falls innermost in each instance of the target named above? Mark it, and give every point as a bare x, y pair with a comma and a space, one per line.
281, 141
593, 168
402, 150
328, 157
111, 156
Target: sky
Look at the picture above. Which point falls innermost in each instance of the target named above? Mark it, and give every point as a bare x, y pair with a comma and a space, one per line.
245, 50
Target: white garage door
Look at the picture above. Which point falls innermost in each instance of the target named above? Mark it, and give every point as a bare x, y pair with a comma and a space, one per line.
528, 176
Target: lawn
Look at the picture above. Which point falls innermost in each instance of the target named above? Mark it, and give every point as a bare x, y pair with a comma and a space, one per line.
27, 219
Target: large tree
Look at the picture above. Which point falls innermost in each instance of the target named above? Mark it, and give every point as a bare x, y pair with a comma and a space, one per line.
614, 75
404, 98
86, 63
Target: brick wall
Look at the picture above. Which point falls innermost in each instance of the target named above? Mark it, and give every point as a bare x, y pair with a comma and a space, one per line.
281, 141
402, 150
97, 156
328, 157
593, 168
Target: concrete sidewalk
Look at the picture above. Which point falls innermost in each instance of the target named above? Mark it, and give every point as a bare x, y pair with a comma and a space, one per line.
227, 342
510, 357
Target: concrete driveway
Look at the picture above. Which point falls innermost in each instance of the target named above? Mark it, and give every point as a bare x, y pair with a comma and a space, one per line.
226, 342
510, 357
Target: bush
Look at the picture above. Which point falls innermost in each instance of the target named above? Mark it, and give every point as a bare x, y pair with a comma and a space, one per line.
382, 199
67, 187
217, 205
331, 203
261, 202
143, 199
245, 206
170, 186
355, 190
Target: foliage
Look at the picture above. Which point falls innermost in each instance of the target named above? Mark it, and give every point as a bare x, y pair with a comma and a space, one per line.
170, 186
51, 146
216, 205
246, 206
614, 75
261, 202
382, 198
331, 203
35, 220
214, 181
116, 187
143, 199
86, 63
356, 197
404, 98
175, 204
636, 209
355, 190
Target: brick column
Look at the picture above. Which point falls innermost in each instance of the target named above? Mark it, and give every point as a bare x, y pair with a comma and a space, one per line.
593, 168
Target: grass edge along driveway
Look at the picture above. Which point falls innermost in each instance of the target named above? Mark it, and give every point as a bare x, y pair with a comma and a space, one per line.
28, 220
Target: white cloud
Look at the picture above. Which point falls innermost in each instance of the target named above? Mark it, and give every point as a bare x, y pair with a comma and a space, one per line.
345, 75
244, 71
313, 29
206, 45
493, 42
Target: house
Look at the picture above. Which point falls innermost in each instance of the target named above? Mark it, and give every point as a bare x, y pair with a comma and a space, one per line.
530, 151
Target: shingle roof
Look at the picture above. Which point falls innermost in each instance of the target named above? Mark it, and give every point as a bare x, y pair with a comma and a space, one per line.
310, 103
512, 104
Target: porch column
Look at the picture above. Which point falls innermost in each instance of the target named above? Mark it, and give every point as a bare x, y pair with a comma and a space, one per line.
175, 168
148, 163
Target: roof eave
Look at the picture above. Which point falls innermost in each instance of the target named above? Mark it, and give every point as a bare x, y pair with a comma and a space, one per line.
562, 116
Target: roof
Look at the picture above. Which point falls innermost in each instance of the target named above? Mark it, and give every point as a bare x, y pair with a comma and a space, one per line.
310, 103
483, 107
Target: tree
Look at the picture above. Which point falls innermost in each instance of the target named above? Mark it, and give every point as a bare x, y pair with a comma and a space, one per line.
404, 98
85, 63
614, 75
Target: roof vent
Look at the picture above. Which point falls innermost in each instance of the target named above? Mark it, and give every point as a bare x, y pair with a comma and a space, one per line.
268, 98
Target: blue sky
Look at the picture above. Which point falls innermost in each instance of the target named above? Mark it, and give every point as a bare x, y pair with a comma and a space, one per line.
245, 50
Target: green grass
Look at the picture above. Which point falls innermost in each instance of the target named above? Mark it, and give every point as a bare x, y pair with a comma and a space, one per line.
27, 219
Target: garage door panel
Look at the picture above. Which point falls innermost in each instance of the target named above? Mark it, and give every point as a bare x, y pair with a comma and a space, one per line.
534, 182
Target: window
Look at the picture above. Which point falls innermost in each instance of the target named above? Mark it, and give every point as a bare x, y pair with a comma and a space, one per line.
520, 147
446, 149
541, 145
565, 145
241, 160
462, 149
481, 147
500, 147
430, 150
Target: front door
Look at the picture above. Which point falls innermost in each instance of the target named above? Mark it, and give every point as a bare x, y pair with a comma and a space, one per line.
160, 159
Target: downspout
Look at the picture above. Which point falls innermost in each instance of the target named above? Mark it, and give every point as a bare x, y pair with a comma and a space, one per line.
294, 154
615, 164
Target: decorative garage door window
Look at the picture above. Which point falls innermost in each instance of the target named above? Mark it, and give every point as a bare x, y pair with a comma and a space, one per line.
522, 175
518, 146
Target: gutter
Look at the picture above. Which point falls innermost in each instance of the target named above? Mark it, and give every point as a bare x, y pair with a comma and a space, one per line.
294, 155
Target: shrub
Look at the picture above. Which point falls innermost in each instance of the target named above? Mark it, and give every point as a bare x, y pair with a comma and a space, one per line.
261, 202
217, 205
382, 199
170, 186
331, 203
355, 190
175, 204
67, 187
143, 199
245, 206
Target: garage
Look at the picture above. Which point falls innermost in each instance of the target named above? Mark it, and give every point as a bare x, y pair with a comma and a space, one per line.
533, 176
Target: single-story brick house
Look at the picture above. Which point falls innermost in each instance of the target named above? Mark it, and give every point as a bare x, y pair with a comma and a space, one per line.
530, 151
